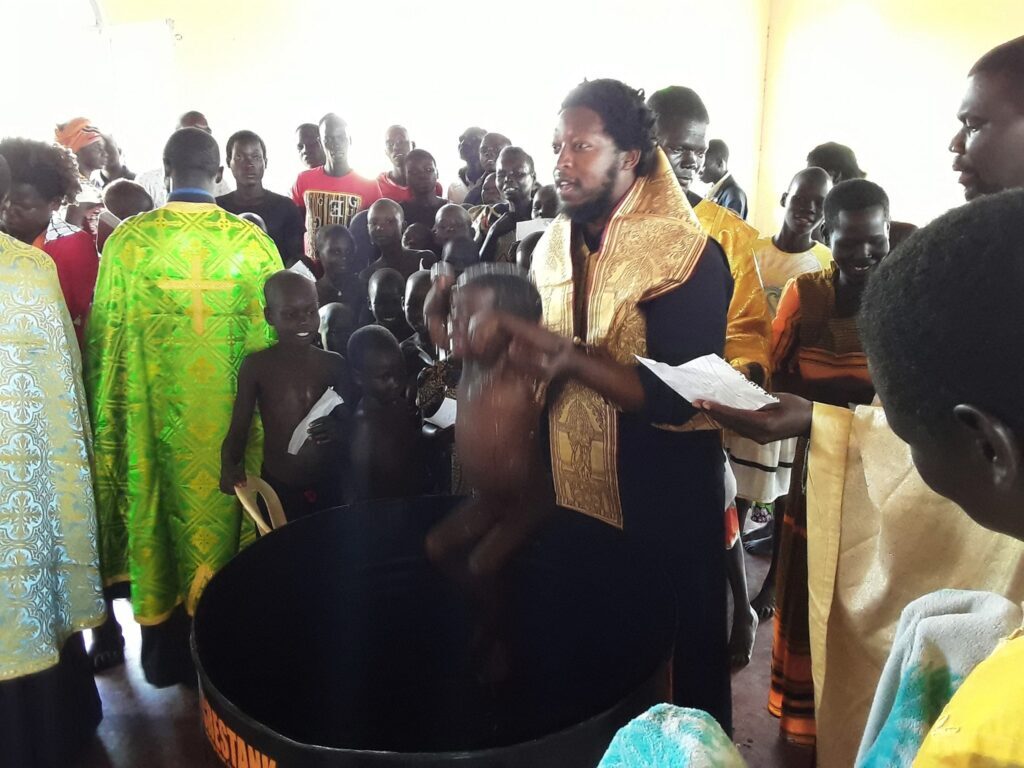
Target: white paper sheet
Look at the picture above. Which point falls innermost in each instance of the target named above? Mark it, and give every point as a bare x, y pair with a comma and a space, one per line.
711, 378
445, 415
328, 401
301, 269
523, 228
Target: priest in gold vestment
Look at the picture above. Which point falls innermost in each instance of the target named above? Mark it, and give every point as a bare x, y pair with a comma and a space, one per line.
625, 270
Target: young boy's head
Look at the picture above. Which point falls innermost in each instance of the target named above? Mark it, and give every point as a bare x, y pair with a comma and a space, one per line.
489, 192
385, 220
490, 147
805, 200
545, 202
524, 250
418, 237
857, 220
461, 253
942, 323
416, 289
451, 221
125, 198
337, 323
838, 160
492, 287
256, 219
377, 366
122, 198
337, 252
292, 307
385, 291
421, 172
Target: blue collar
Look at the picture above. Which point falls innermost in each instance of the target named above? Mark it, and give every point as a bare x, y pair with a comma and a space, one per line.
190, 195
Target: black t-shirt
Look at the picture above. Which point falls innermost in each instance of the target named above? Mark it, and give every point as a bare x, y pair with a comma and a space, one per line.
283, 219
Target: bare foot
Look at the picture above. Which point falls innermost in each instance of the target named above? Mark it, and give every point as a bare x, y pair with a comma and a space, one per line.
741, 639
764, 603
759, 546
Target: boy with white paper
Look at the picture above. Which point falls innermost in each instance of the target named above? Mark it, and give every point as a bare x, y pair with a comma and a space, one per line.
292, 383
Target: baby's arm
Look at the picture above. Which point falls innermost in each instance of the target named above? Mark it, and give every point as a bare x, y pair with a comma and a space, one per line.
232, 450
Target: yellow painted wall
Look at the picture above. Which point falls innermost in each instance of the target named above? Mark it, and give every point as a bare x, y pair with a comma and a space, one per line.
884, 77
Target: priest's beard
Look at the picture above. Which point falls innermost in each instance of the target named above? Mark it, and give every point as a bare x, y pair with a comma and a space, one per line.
595, 209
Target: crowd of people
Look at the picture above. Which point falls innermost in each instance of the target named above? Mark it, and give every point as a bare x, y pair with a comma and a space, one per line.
166, 336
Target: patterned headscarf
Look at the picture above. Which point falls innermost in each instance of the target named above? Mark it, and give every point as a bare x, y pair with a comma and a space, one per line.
77, 133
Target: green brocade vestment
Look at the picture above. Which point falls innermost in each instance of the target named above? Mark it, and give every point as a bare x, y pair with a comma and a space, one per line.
178, 306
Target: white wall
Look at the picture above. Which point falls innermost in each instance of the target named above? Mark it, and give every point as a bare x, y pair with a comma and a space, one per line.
884, 77
436, 67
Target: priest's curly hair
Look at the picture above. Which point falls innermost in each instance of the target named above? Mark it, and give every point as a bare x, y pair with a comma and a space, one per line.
51, 169
626, 117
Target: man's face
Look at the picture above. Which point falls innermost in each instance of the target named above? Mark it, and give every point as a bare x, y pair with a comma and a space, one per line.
469, 146
397, 145
714, 169
247, 163
310, 149
385, 224
860, 240
685, 142
92, 157
490, 148
989, 147
294, 314
421, 173
418, 237
26, 212
336, 141
514, 177
805, 204
451, 224
338, 258
587, 165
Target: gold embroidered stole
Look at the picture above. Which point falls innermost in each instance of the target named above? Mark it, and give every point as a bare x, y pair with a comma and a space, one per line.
650, 247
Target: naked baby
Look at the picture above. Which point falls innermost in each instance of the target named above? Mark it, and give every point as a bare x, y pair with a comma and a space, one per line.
498, 418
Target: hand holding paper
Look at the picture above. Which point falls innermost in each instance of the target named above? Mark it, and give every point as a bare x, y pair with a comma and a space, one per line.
711, 378
328, 401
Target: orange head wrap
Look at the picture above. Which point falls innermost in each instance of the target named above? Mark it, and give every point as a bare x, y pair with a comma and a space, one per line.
77, 133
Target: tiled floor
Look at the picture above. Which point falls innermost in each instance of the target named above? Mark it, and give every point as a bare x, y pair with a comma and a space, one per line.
145, 727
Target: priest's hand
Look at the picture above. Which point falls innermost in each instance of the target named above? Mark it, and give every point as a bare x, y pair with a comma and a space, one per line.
791, 417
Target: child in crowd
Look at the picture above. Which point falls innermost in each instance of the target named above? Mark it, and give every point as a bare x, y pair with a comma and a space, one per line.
284, 382
792, 251
489, 192
496, 430
337, 324
461, 253
121, 199
525, 248
418, 237
417, 350
336, 251
386, 291
385, 222
545, 202
817, 353
386, 447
